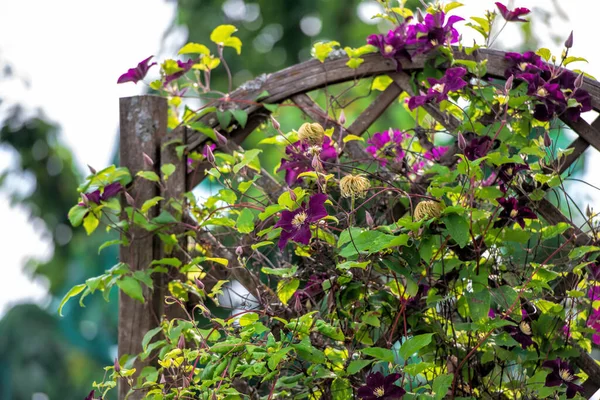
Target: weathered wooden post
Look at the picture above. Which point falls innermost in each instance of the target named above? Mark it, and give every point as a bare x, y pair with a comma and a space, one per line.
143, 124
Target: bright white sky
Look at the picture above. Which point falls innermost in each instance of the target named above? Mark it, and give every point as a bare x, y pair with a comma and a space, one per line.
72, 52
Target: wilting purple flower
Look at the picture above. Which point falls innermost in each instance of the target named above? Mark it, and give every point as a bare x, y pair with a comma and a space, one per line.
512, 211
512, 15
522, 63
562, 374
478, 147
379, 387
432, 32
301, 156
109, 191
313, 287
382, 146
439, 88
295, 225
436, 153
185, 67
393, 44
508, 171
138, 73
522, 334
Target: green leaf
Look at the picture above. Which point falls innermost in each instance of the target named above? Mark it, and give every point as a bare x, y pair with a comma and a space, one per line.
228, 196
110, 243
458, 228
544, 53
90, 223
76, 214
148, 175
149, 335
283, 272
479, 304
381, 82
357, 365
354, 63
194, 48
164, 217
441, 384
261, 244
329, 330
248, 319
548, 232
249, 157
286, 289
173, 262
167, 170
414, 344
224, 118
75, 290
321, 50
580, 251
245, 221
221, 35
148, 204
379, 353
341, 389
240, 116
131, 287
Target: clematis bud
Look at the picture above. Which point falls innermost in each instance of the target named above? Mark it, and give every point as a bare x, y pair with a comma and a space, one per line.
342, 119
462, 142
147, 160
354, 186
92, 169
85, 199
569, 41
117, 366
579, 81
222, 140
239, 251
199, 283
210, 156
509, 83
427, 209
589, 212
129, 199
419, 16
181, 342
312, 134
369, 219
276, 124
316, 163
547, 139
293, 196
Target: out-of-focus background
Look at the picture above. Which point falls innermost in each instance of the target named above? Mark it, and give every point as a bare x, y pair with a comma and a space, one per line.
59, 62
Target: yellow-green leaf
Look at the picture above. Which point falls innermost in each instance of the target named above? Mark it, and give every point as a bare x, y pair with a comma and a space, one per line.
381, 82
286, 289
248, 319
71, 293
322, 49
222, 33
90, 223
349, 138
194, 48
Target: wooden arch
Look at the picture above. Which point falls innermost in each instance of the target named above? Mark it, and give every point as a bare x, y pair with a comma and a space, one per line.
143, 130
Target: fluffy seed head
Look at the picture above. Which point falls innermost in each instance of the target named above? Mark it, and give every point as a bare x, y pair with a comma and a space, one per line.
354, 186
427, 209
312, 134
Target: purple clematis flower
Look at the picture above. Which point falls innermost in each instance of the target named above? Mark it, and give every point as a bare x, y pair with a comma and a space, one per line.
478, 147
393, 44
109, 192
301, 156
512, 15
562, 374
185, 67
594, 293
207, 151
295, 225
550, 96
528, 62
91, 396
382, 146
583, 101
512, 211
433, 33
594, 323
450, 82
594, 272
436, 153
138, 73
379, 387
522, 334
508, 171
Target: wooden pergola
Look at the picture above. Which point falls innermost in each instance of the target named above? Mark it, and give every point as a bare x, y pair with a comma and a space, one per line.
143, 122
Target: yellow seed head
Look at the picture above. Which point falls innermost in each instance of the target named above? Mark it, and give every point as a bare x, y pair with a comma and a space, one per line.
312, 134
354, 186
427, 209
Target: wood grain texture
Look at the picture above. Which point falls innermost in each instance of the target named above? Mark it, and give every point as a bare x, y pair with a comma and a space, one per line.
143, 122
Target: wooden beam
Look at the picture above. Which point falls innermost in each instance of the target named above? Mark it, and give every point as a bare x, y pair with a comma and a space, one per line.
143, 122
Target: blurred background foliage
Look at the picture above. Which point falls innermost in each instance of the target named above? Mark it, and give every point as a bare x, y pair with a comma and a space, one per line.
43, 356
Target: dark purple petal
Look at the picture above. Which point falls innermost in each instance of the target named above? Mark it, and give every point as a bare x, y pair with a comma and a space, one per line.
302, 235
316, 207
375, 380
573, 389
391, 378
417, 101
512, 15
90, 396
94, 197
185, 67
366, 393
111, 191
138, 73
284, 237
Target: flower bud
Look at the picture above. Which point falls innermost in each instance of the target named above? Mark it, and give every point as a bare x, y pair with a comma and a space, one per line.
547, 139
589, 212
239, 251
210, 156
147, 160
276, 124
427, 209
316, 163
509, 83
579, 81
92, 169
462, 142
369, 219
129, 199
569, 41
312, 134
199, 283
116, 365
181, 342
342, 119
354, 186
222, 140
420, 16
85, 199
